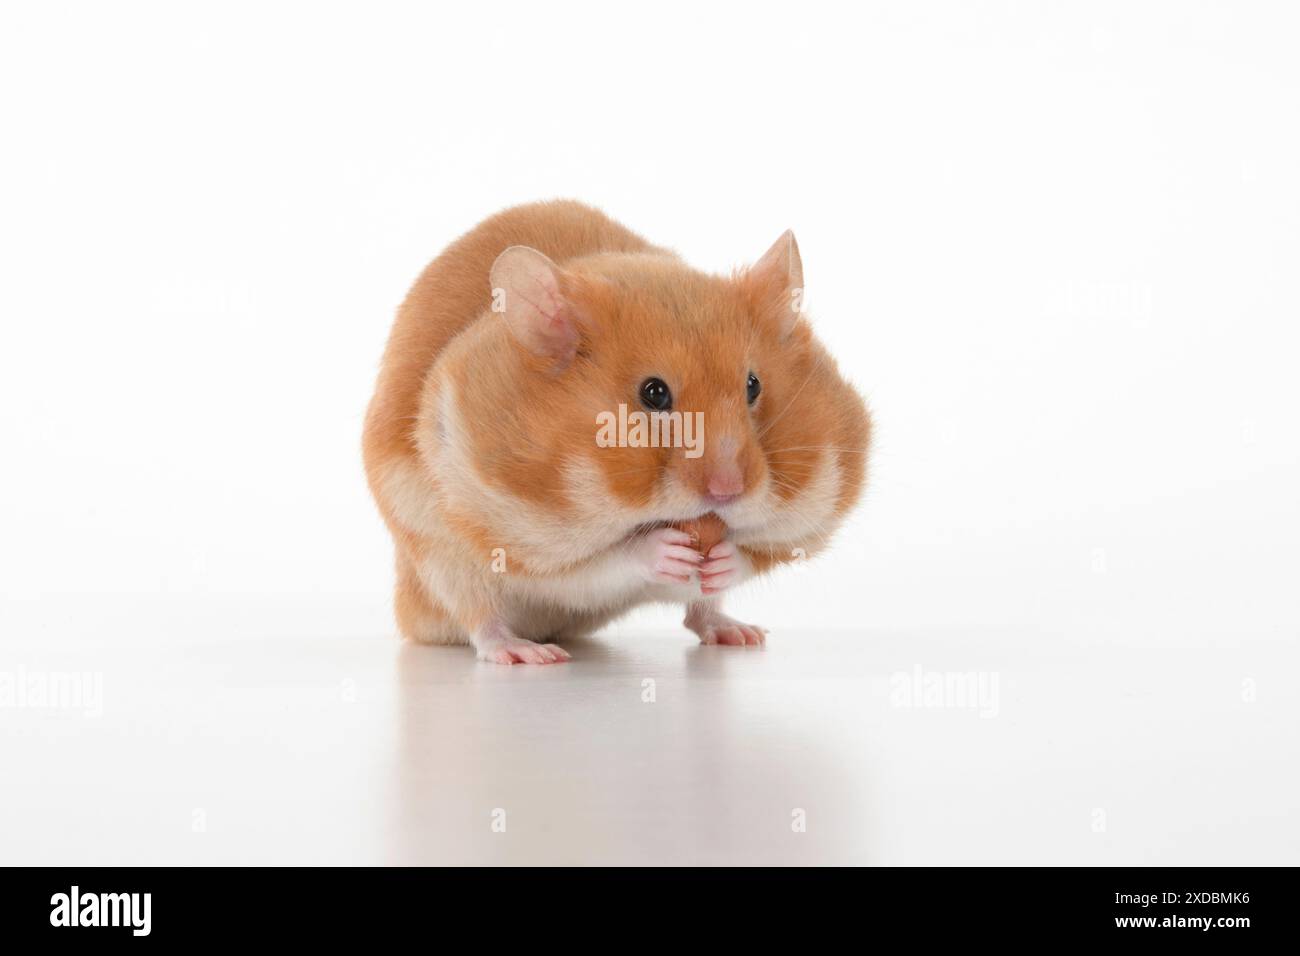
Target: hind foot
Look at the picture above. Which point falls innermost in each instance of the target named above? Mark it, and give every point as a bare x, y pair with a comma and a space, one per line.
714, 627
497, 644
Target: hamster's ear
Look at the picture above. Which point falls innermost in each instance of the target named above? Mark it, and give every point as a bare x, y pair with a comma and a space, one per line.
526, 289
776, 283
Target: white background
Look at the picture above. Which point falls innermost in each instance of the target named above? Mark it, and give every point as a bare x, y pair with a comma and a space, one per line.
1054, 244
1054, 247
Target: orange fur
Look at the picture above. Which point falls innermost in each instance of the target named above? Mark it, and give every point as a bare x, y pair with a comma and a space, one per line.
480, 441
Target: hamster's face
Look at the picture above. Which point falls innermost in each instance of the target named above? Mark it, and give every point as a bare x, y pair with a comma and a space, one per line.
650, 392
710, 394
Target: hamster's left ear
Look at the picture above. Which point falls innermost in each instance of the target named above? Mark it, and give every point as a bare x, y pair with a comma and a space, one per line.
776, 283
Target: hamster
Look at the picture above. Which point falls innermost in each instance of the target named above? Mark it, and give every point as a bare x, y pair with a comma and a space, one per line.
564, 412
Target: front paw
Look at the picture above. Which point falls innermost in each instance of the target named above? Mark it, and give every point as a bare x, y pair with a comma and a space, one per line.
720, 569
665, 556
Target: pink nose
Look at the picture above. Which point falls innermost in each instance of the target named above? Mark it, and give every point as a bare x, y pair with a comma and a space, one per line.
726, 483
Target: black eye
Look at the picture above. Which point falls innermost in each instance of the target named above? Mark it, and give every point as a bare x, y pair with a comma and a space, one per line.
752, 387
655, 394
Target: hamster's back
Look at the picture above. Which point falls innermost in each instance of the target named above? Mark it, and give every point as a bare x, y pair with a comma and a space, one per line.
453, 292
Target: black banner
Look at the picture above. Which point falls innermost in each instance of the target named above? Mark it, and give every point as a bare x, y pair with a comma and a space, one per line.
1176, 906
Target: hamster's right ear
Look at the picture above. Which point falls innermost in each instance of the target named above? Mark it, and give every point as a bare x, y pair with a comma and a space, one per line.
526, 289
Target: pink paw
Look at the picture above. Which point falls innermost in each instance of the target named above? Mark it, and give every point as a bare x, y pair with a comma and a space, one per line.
505, 648
666, 556
720, 570
716, 628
